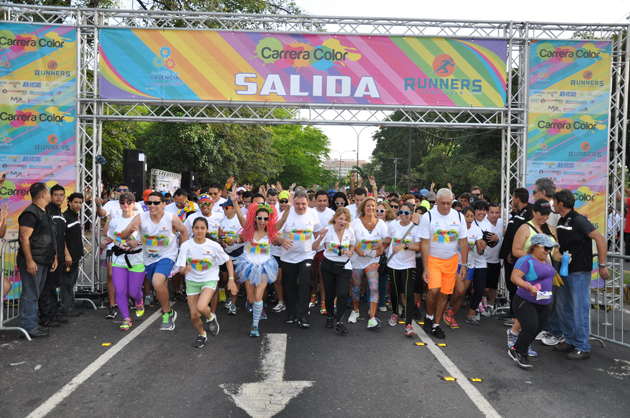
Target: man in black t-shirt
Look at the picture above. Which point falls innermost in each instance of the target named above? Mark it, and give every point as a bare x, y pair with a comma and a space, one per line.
73, 254
36, 256
521, 213
576, 235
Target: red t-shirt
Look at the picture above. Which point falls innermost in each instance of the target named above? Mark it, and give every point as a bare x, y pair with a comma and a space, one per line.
626, 227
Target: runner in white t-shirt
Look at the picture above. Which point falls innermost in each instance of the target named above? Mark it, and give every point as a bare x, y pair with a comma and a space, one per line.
231, 241
494, 240
180, 201
299, 230
359, 194
337, 243
199, 260
369, 232
402, 263
442, 230
325, 214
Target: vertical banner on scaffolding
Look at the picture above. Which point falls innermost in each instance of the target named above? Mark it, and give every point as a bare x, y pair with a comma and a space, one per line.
37, 110
569, 113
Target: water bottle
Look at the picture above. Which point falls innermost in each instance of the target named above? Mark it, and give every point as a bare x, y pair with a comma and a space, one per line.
564, 268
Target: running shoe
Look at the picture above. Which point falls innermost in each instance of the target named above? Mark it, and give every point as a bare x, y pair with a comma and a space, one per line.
509, 322
168, 321
254, 332
183, 296
330, 321
303, 322
438, 333
147, 300
417, 315
354, 315
409, 332
564, 347
480, 307
112, 312
323, 311
382, 308
449, 318
488, 312
428, 325
549, 339
374, 323
279, 307
511, 338
313, 301
175, 297
484, 303
248, 307
291, 319
263, 315
132, 303
126, 324
140, 309
473, 319
342, 328
232, 310
522, 361
531, 352
200, 341
579, 355
228, 303
393, 320
213, 326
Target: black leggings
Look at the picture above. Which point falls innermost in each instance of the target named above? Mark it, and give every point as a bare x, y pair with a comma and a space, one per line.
532, 318
402, 281
336, 286
479, 286
511, 287
298, 289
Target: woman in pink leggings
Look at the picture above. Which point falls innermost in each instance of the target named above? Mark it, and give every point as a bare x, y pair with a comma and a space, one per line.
127, 262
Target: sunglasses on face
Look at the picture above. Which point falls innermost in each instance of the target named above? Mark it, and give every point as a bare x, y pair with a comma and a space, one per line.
380, 210
180, 203
126, 202
548, 248
340, 203
283, 201
122, 190
534, 191
262, 218
228, 207
168, 200
475, 195
394, 206
152, 202
205, 204
404, 212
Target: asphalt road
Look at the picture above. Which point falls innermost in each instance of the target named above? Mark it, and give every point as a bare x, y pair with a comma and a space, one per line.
363, 374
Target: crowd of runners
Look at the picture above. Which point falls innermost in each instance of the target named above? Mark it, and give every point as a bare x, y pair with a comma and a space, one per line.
332, 254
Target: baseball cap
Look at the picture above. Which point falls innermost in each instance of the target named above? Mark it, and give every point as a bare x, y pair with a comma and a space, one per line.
283, 195
544, 240
145, 194
228, 203
127, 196
204, 198
332, 192
424, 192
543, 206
431, 196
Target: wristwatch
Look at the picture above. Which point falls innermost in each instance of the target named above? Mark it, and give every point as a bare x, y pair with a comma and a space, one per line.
601, 266
406, 245
470, 265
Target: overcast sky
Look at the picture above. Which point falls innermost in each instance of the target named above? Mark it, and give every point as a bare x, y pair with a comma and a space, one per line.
601, 11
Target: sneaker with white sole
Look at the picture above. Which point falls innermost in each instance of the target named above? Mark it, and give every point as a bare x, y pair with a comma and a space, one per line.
232, 310
213, 326
531, 352
549, 339
382, 308
409, 332
488, 312
168, 321
393, 320
354, 315
522, 361
374, 323
200, 341
279, 307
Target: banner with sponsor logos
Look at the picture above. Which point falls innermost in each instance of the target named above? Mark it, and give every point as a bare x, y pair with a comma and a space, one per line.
37, 110
301, 68
569, 94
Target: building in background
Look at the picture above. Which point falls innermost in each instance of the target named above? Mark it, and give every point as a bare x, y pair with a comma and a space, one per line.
342, 167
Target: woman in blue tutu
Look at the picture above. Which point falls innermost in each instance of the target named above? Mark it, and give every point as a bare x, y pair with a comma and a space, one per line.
255, 268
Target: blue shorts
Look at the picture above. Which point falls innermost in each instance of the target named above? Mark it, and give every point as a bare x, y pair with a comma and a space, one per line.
164, 266
470, 273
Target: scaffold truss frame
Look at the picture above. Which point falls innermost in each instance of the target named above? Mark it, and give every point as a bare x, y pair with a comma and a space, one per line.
92, 111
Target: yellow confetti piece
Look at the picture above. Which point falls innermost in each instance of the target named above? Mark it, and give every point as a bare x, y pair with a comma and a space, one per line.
420, 344
441, 344
106, 344
449, 378
475, 379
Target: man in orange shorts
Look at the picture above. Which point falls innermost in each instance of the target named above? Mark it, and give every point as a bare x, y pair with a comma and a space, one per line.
441, 231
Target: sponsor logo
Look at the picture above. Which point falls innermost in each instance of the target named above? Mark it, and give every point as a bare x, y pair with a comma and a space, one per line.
30, 159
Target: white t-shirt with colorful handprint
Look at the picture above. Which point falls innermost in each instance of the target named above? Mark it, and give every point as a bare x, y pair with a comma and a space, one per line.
214, 222
205, 260
116, 226
158, 240
443, 232
300, 230
333, 248
257, 252
365, 241
230, 228
404, 259
474, 234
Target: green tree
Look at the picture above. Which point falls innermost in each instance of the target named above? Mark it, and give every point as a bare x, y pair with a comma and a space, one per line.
302, 150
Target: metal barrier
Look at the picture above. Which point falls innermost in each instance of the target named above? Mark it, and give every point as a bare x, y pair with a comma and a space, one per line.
10, 307
607, 304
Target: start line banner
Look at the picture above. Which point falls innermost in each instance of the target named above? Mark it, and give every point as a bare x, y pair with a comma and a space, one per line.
37, 111
301, 68
569, 115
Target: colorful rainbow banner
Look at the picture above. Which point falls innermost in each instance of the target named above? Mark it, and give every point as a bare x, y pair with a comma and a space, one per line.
37, 111
569, 94
301, 68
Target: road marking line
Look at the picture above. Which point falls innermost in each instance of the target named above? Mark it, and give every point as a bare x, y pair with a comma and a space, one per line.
472, 392
50, 404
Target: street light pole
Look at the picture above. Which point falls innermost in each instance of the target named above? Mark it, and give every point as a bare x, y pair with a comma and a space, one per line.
340, 159
396, 171
358, 135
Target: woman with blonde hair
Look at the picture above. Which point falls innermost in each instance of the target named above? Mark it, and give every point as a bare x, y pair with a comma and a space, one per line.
339, 242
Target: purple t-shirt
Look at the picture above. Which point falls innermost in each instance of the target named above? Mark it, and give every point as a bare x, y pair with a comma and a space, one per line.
536, 273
